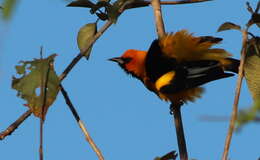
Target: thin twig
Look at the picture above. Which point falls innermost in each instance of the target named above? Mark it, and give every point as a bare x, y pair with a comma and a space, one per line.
179, 132
158, 18
44, 109
237, 94
15, 125
92, 41
81, 124
80, 55
70, 67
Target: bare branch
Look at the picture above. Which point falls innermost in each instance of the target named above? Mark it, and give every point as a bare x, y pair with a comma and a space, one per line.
179, 131
81, 124
237, 94
15, 125
158, 18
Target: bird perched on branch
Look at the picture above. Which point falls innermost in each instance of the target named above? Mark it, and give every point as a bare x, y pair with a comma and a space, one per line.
177, 64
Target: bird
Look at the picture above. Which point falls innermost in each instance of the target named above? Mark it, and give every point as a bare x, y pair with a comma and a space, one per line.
177, 64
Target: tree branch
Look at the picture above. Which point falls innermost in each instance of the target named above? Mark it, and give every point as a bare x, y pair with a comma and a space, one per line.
179, 131
237, 94
158, 18
15, 125
95, 38
80, 55
81, 124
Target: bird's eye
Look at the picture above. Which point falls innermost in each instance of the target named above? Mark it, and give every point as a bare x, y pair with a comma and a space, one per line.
126, 60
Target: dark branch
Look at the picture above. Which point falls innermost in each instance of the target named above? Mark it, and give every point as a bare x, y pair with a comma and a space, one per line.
15, 125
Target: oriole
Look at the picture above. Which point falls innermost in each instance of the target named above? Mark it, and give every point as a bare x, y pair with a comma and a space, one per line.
176, 65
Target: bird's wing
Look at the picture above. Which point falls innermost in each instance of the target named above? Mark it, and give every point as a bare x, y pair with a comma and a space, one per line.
183, 46
156, 63
190, 75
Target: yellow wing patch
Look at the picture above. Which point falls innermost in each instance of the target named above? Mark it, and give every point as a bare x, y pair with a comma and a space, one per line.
183, 46
164, 80
182, 96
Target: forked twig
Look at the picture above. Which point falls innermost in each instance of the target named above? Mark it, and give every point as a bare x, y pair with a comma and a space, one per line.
81, 124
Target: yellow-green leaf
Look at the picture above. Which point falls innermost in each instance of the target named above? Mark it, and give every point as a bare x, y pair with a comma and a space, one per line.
33, 78
252, 67
8, 8
228, 26
85, 35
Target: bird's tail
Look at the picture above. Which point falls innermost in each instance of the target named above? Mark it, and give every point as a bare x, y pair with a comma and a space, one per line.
232, 65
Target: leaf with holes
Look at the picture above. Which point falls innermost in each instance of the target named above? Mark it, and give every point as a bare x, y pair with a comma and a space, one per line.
228, 26
34, 75
85, 35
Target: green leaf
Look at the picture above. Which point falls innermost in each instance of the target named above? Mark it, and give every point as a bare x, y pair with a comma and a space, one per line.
229, 26
252, 67
29, 83
81, 3
8, 8
85, 35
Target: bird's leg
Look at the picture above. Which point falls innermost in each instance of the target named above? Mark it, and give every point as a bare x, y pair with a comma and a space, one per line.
176, 111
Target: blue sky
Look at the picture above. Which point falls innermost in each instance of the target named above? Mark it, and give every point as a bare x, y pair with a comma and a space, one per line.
125, 120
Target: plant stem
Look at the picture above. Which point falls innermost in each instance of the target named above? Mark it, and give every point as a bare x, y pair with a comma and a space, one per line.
236, 99
81, 124
179, 131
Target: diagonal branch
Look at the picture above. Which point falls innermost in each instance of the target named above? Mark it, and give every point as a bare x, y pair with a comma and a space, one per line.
15, 125
80, 55
237, 94
81, 124
95, 38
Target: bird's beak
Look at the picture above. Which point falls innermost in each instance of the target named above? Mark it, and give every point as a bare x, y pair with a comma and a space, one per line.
119, 60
